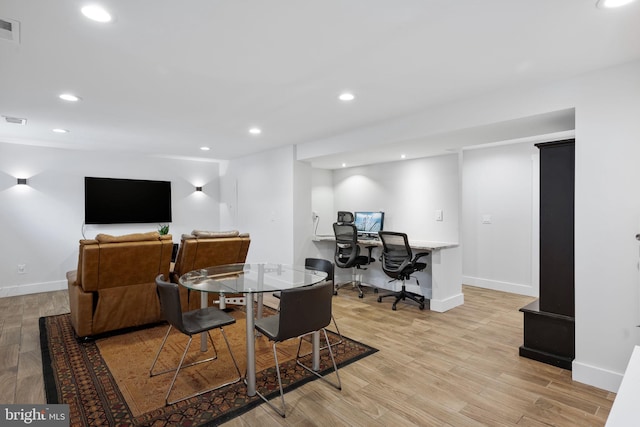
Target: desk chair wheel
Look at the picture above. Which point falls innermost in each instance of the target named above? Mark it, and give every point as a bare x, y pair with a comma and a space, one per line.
360, 295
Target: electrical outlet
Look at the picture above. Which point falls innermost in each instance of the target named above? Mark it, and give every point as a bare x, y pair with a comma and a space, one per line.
439, 215
22, 268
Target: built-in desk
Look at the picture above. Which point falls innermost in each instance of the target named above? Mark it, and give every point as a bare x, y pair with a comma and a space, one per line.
440, 282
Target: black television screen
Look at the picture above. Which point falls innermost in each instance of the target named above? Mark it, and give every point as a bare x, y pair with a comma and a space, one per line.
122, 201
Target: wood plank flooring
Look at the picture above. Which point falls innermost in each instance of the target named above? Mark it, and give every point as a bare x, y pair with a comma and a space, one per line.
459, 368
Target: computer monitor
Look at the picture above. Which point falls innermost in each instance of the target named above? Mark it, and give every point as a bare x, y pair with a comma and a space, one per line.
369, 222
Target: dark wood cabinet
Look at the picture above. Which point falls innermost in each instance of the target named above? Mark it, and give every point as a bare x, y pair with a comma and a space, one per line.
549, 325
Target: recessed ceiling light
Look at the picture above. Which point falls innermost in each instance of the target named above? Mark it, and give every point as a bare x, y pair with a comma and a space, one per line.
403, 156
344, 165
69, 97
96, 13
347, 96
255, 131
58, 130
205, 148
609, 4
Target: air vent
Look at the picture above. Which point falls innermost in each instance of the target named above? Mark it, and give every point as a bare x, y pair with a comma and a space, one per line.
15, 120
9, 30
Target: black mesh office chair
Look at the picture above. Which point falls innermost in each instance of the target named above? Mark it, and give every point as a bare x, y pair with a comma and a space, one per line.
347, 254
190, 323
399, 263
345, 217
302, 311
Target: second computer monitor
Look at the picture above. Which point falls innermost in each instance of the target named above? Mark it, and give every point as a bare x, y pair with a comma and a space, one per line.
369, 222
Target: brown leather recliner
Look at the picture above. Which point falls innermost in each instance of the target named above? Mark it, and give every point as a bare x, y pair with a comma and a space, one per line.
202, 249
114, 286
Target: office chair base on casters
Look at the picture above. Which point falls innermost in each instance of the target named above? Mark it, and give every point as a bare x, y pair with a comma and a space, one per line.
403, 295
355, 285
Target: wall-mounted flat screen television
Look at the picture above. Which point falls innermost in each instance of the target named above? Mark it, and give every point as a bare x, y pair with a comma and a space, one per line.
369, 222
126, 201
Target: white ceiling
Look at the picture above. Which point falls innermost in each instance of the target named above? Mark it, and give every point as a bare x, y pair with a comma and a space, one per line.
167, 77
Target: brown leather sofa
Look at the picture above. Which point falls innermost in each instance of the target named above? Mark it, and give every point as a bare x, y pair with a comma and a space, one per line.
114, 285
202, 249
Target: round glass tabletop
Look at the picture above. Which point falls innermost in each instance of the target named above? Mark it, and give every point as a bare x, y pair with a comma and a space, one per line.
243, 278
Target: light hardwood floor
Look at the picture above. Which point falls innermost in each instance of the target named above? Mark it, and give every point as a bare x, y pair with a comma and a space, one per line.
459, 368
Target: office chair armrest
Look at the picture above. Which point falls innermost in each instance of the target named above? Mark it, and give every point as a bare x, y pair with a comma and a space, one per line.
418, 256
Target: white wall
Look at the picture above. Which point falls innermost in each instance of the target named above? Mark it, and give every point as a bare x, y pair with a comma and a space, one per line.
302, 220
41, 223
322, 201
258, 190
607, 219
409, 192
499, 184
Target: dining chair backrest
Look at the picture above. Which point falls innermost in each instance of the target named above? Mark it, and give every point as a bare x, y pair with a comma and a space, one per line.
304, 310
169, 295
320, 264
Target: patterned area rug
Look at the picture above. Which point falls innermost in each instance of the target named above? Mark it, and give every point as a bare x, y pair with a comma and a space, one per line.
106, 381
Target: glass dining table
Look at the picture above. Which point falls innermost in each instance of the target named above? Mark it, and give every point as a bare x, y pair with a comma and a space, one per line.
252, 280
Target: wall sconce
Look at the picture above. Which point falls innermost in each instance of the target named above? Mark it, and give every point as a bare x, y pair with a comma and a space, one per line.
198, 188
22, 181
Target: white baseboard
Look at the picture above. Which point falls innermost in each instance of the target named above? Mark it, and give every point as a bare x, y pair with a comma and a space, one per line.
596, 377
446, 304
33, 288
496, 285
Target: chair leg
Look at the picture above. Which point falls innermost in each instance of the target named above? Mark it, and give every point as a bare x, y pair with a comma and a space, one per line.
180, 366
328, 343
337, 330
337, 385
153, 374
414, 297
233, 358
356, 282
402, 295
173, 380
281, 412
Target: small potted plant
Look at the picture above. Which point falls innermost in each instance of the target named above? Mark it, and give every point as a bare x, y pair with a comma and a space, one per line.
163, 229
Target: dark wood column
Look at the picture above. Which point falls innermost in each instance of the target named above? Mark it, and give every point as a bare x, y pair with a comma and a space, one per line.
549, 326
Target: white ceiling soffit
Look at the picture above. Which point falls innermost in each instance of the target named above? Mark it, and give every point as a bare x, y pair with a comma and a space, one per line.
548, 126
